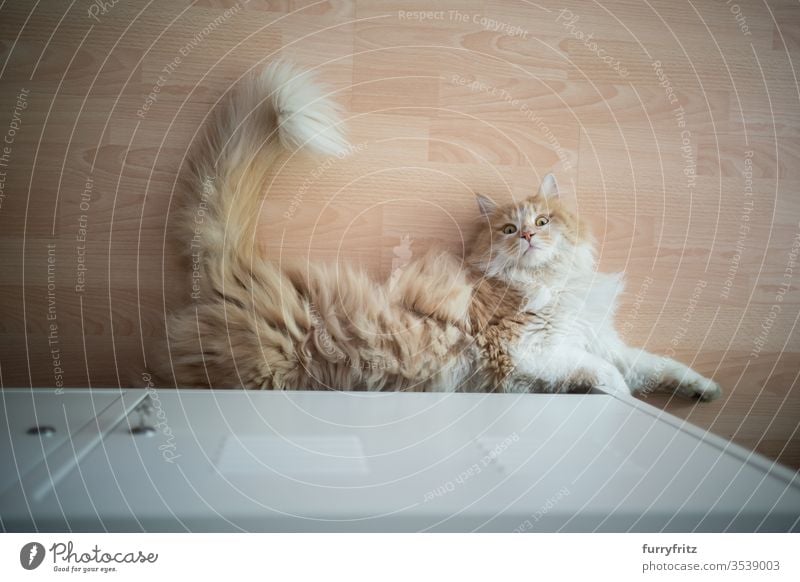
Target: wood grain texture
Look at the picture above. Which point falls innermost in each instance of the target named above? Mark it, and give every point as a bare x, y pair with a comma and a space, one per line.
673, 128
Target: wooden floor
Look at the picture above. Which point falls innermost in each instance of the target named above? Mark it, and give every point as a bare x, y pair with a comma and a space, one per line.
674, 126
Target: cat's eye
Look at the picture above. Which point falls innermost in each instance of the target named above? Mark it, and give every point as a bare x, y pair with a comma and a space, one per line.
509, 229
542, 220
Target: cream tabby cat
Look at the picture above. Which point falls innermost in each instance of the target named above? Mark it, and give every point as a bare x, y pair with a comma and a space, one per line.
527, 310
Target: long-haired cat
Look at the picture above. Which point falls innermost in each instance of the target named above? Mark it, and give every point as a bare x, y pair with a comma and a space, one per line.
526, 311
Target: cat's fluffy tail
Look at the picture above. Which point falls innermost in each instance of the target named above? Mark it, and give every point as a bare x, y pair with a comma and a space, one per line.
281, 109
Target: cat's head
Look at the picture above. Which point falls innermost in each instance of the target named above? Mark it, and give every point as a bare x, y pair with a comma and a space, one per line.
528, 234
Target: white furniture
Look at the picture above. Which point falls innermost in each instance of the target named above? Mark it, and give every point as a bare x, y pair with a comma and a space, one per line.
329, 461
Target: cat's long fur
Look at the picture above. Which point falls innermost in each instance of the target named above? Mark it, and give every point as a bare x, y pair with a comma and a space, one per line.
526, 311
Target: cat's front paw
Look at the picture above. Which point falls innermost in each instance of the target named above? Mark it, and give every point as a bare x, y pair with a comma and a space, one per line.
701, 388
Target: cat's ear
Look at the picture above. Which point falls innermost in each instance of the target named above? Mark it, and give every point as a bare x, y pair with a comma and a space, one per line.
549, 187
485, 205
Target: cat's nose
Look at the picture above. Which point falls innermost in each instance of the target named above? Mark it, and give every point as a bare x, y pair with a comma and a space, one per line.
526, 235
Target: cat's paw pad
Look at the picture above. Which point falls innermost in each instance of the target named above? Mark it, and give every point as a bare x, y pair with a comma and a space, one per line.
702, 389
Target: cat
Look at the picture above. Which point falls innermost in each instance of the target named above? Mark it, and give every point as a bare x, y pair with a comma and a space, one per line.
571, 344
526, 311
